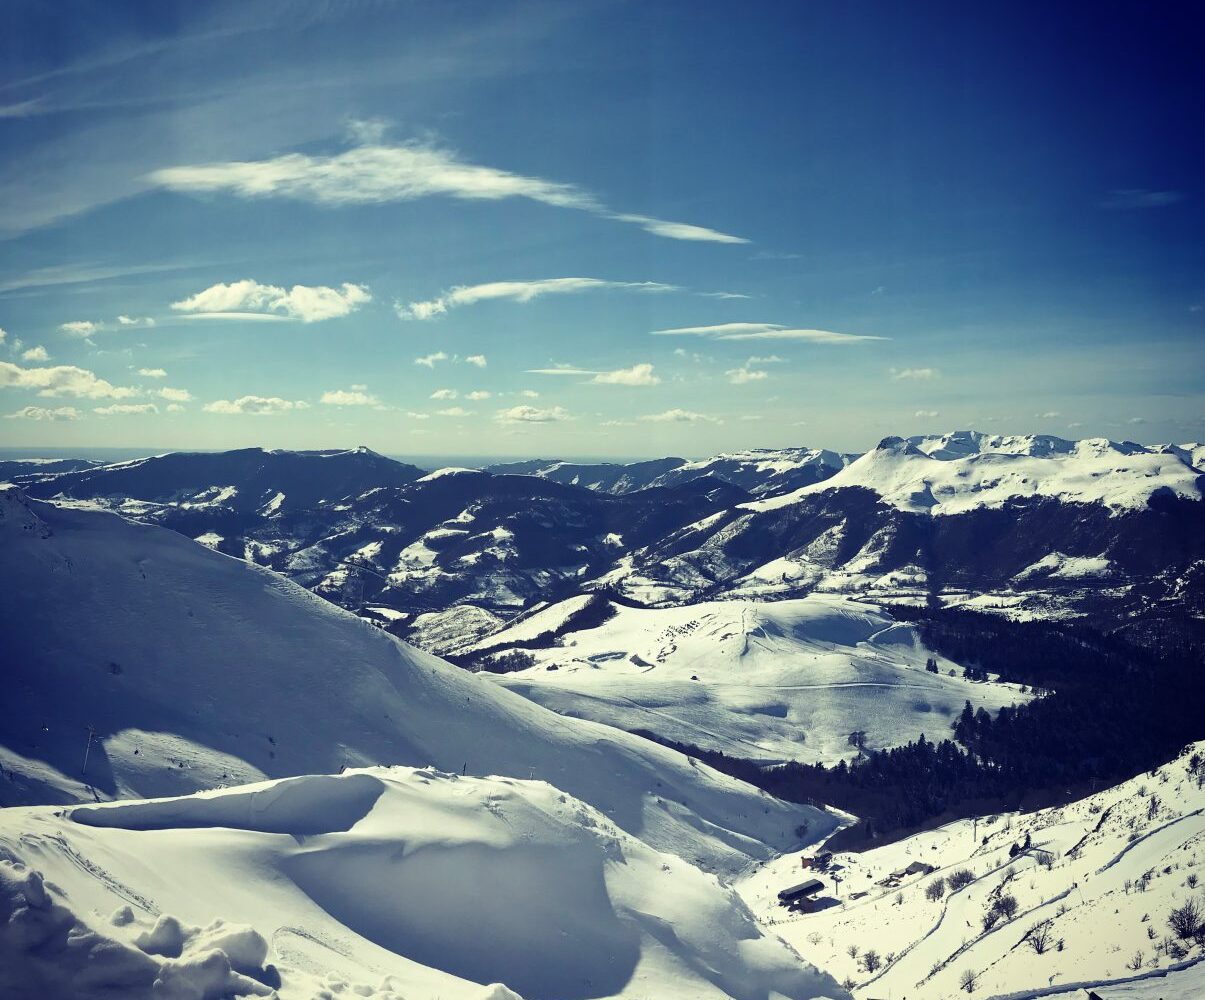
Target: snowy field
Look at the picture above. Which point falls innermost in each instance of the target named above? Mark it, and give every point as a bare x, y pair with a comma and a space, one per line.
387, 883
767, 681
1092, 893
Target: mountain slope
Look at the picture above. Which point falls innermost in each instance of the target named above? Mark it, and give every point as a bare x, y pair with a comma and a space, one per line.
788, 680
245, 480
967, 470
195, 669
1093, 888
381, 882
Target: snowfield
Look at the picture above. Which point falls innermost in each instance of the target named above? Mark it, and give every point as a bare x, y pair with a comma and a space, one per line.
383, 883
788, 680
1093, 892
195, 670
966, 470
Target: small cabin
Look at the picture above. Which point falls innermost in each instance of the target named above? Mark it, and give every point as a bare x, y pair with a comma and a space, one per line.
800, 895
817, 862
919, 868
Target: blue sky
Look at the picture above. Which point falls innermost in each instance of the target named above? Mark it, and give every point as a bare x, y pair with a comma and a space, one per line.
598, 229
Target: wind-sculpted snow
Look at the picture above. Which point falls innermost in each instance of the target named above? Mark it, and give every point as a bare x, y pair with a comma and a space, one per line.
432, 885
195, 670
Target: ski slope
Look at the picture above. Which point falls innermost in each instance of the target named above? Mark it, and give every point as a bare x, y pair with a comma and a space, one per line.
1101, 876
386, 883
194, 670
768, 681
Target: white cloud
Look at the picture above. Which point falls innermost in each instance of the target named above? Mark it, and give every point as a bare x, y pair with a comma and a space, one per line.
444, 394
61, 380
136, 320
617, 423
769, 359
174, 395
914, 374
80, 328
926, 414
246, 298
529, 394
1136, 420
125, 409
751, 417
477, 394
3, 335
641, 374
476, 359
152, 372
724, 295
372, 173
418, 416
516, 291
679, 416
42, 413
430, 360
562, 370
745, 374
174, 408
454, 411
35, 354
678, 230
1048, 415
257, 406
764, 331
524, 414
355, 396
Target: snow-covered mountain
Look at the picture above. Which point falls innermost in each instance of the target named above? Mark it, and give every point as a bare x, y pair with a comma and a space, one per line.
1029, 526
193, 670
788, 680
1092, 885
385, 883
966, 470
761, 471
245, 480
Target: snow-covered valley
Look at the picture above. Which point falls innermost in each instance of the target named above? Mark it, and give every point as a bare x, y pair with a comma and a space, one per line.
217, 781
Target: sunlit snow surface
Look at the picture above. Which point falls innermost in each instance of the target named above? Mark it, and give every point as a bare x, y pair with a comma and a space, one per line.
770, 681
385, 882
1091, 897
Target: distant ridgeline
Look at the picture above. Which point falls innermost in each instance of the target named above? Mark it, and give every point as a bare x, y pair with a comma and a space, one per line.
1106, 711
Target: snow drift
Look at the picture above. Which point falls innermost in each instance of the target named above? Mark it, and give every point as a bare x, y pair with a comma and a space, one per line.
383, 882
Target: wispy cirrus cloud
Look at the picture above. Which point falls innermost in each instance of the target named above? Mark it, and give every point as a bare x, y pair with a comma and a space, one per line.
255, 406
248, 299
517, 291
431, 360
764, 331
373, 173
62, 380
136, 320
